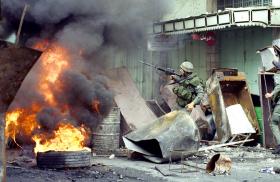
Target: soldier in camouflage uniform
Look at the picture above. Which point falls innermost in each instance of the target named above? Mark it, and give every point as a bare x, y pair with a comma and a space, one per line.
190, 87
275, 118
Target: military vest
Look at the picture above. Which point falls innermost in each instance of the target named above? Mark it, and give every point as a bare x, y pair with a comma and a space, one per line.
186, 89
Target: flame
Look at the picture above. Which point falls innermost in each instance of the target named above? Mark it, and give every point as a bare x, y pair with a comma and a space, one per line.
54, 60
66, 138
22, 121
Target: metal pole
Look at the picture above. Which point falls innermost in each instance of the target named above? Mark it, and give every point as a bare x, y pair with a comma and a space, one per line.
2, 148
268, 102
20, 24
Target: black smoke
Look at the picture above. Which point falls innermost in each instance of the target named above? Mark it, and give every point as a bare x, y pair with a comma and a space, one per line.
93, 31
88, 24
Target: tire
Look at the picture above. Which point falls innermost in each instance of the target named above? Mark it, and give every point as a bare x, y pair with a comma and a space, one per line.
63, 159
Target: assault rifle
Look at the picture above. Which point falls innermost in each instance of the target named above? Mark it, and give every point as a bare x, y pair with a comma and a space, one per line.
167, 71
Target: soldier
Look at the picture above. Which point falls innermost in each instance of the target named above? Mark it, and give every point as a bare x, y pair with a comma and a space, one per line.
190, 87
275, 118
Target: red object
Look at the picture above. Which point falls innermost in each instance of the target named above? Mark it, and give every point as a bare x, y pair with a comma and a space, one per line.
195, 36
210, 38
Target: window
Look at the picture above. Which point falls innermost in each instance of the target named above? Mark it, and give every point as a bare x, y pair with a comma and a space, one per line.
223, 4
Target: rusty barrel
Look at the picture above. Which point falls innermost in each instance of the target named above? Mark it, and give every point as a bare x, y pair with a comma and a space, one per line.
106, 137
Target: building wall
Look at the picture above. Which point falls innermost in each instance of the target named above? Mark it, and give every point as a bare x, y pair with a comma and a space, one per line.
275, 3
185, 8
234, 48
147, 79
237, 49
193, 51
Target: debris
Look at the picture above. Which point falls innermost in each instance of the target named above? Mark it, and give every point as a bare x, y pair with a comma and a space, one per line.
121, 176
270, 170
172, 135
196, 166
155, 107
204, 123
238, 121
266, 84
112, 156
224, 90
122, 152
123, 86
267, 170
168, 96
15, 65
223, 145
63, 159
163, 171
23, 161
268, 55
219, 164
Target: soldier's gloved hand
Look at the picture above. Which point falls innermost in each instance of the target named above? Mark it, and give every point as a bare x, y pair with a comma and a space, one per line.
172, 77
268, 95
190, 106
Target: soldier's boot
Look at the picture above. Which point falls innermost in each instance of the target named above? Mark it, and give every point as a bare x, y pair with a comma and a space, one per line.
276, 150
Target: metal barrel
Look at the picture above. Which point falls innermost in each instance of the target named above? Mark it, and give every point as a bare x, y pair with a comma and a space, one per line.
106, 137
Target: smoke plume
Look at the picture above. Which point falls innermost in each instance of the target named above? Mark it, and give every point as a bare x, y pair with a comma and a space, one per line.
92, 31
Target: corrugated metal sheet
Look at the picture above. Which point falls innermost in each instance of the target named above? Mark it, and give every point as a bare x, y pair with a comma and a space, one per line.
147, 79
238, 50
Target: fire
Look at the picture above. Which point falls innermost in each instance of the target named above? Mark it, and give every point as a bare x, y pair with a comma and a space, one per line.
54, 60
22, 121
66, 138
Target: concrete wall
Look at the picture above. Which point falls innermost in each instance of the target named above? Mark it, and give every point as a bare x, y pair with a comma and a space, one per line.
186, 8
275, 3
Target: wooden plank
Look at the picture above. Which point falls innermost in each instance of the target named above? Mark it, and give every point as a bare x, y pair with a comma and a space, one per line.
266, 84
224, 145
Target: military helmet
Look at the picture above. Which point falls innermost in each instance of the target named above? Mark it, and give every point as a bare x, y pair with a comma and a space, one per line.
187, 66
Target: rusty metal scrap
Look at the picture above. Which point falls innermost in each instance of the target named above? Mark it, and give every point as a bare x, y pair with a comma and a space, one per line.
15, 63
166, 137
226, 91
219, 164
133, 107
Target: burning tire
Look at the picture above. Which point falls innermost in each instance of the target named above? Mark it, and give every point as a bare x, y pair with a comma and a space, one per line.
63, 159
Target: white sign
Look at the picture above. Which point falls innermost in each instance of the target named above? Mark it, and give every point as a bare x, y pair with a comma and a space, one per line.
164, 42
268, 56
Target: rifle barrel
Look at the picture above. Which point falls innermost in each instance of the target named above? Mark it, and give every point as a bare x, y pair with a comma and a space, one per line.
148, 64
165, 70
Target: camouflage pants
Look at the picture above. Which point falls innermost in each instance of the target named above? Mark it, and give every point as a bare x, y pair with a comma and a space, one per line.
274, 124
